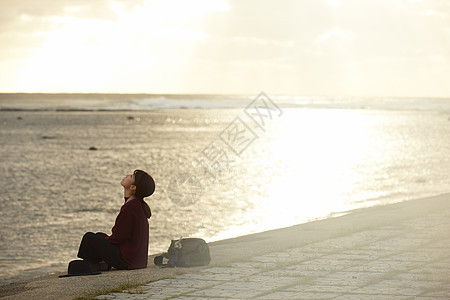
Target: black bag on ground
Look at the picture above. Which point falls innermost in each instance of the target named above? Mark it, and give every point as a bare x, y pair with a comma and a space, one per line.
190, 252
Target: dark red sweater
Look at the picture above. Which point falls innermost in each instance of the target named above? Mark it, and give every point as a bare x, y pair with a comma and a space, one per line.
130, 232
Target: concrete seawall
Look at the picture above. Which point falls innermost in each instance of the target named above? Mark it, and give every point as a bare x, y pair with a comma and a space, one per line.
393, 251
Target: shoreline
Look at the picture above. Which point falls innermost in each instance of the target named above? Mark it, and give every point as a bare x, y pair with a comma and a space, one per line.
228, 250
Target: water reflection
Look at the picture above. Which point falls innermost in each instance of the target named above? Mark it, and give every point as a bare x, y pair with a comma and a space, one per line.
314, 163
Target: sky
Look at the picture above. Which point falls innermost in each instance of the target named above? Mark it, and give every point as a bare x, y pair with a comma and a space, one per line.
296, 47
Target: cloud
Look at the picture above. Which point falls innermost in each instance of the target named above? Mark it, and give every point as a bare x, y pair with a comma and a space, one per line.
335, 33
37, 13
25, 25
89, 53
178, 45
334, 2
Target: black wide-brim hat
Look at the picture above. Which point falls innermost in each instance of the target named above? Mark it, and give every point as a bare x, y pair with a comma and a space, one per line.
81, 268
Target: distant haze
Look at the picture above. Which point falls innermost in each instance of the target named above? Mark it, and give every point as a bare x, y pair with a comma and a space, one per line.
297, 47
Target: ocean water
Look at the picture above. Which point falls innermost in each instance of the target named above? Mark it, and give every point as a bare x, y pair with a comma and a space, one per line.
224, 165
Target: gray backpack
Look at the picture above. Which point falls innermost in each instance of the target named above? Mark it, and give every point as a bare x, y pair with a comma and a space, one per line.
189, 252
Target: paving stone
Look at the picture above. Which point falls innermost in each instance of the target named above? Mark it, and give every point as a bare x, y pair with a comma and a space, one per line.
211, 276
230, 270
333, 245
306, 270
390, 287
444, 292
421, 277
113, 296
137, 296
162, 293
271, 281
445, 244
424, 223
265, 265
353, 279
440, 266
296, 272
393, 245
280, 295
346, 256
170, 287
267, 258
446, 260
424, 285
435, 252
180, 283
321, 288
412, 256
369, 236
372, 297
259, 283
252, 265
185, 297
381, 266
123, 296
409, 260
430, 298
364, 254
301, 295
226, 291
442, 272
299, 254
413, 242
326, 264
161, 283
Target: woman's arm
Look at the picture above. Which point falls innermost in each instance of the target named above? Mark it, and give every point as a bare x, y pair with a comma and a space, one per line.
123, 228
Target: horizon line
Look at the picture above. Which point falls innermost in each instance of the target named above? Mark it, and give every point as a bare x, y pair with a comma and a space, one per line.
218, 94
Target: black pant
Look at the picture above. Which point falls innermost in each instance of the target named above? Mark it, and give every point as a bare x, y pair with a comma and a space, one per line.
95, 248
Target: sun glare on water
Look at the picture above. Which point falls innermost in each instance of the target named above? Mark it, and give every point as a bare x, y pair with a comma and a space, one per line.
318, 154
